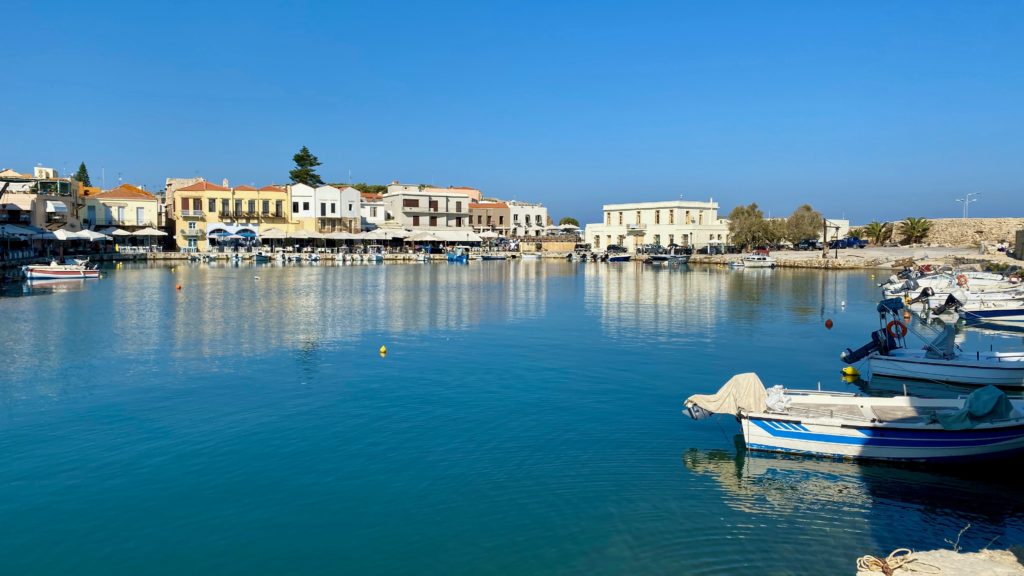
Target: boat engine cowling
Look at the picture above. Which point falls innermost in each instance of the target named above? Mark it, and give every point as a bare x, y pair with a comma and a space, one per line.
881, 341
951, 303
925, 294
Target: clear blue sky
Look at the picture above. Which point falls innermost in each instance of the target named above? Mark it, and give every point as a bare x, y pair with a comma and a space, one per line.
872, 110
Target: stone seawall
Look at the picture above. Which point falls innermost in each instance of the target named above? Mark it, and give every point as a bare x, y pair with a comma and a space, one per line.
969, 231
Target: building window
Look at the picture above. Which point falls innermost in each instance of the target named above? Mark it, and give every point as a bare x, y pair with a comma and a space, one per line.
295, 207
527, 219
238, 207
252, 206
657, 239
540, 221
501, 220
373, 211
278, 207
515, 218
305, 206
192, 225
334, 208
672, 216
323, 208
433, 220
687, 221
266, 207
224, 206
597, 239
458, 221
458, 206
671, 238
479, 219
637, 217
433, 205
657, 218
620, 221
415, 220
700, 215
351, 208
411, 203
212, 205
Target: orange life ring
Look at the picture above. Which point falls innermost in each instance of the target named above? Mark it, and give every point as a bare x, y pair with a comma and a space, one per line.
961, 280
900, 327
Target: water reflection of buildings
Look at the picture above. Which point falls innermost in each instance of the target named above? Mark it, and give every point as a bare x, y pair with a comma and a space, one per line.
653, 302
228, 308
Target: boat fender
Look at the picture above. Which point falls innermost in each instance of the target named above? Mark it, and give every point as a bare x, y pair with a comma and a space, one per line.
961, 280
899, 327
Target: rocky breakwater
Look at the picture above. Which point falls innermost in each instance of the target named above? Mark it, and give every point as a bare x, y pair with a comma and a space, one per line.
851, 261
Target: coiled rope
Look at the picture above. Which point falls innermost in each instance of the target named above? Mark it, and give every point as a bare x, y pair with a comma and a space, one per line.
899, 558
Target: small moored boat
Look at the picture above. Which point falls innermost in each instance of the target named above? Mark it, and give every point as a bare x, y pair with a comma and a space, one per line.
985, 424
55, 271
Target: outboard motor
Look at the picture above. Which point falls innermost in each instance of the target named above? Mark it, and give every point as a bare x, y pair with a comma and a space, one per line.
951, 303
881, 341
924, 295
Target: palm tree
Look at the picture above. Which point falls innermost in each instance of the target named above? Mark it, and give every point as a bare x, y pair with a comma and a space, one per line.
915, 229
878, 232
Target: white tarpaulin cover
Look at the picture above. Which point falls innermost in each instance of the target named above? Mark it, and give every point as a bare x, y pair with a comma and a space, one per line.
741, 392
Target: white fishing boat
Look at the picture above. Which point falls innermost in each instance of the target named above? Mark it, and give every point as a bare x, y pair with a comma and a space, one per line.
985, 424
530, 256
673, 254
374, 253
758, 259
1009, 313
907, 283
55, 271
940, 360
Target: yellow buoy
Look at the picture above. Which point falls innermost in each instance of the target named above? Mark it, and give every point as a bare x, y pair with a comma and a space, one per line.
850, 371
383, 350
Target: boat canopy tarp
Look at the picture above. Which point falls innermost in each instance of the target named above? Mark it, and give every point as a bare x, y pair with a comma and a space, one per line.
890, 305
943, 346
982, 405
742, 392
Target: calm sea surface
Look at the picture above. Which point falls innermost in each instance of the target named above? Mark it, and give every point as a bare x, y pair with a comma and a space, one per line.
526, 420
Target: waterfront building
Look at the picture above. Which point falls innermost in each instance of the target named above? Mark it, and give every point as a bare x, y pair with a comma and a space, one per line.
681, 222
372, 212
42, 199
396, 187
171, 186
490, 216
128, 207
526, 218
426, 209
204, 209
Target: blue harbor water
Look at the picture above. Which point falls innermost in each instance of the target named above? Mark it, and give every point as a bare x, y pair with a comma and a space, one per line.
525, 420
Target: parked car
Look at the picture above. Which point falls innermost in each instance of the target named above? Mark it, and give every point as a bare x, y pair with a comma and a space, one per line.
808, 245
847, 243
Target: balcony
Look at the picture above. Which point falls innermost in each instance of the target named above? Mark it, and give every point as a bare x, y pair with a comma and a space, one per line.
192, 213
193, 233
636, 229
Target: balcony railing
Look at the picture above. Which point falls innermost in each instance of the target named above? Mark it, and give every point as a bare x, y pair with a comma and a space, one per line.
193, 233
192, 213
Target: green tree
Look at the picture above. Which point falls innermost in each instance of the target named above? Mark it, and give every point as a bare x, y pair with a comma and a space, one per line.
803, 224
568, 220
363, 187
878, 232
747, 226
915, 229
83, 175
305, 169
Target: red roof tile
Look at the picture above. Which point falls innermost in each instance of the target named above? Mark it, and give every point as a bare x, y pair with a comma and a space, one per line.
245, 188
126, 192
271, 189
204, 186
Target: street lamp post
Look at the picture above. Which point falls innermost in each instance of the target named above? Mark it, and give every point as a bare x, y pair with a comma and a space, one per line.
966, 200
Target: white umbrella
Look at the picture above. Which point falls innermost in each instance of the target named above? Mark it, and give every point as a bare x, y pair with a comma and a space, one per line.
374, 235
92, 235
488, 234
63, 235
568, 227
149, 232
273, 234
341, 236
299, 234
112, 231
423, 236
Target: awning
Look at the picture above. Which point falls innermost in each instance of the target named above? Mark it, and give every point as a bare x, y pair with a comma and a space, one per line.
12, 230
54, 206
246, 233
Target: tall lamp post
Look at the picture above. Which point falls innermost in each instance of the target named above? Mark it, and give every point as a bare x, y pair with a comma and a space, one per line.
966, 200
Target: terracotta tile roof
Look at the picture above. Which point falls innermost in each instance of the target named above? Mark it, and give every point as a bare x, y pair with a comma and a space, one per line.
271, 189
371, 196
204, 186
487, 205
126, 192
245, 188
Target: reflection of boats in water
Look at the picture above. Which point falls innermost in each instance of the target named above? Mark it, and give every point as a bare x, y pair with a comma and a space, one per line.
54, 285
777, 484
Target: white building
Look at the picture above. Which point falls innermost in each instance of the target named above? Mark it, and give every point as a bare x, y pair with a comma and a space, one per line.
682, 222
526, 219
371, 210
427, 209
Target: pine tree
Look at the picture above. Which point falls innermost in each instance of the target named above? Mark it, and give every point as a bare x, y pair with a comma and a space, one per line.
305, 169
83, 175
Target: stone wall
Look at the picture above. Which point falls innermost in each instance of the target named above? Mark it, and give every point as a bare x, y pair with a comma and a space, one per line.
969, 231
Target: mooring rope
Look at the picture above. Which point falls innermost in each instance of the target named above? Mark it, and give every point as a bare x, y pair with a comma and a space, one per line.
899, 558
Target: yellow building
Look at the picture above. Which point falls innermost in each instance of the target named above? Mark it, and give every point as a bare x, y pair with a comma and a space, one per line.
127, 207
204, 209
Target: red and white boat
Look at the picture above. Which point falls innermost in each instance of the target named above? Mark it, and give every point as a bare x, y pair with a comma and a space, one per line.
54, 271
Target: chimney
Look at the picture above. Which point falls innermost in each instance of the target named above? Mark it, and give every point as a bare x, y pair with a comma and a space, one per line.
225, 184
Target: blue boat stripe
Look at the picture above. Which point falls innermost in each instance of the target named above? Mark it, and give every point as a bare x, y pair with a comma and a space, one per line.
939, 439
